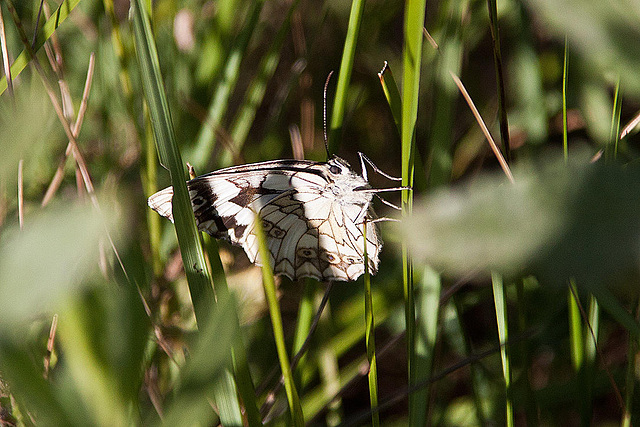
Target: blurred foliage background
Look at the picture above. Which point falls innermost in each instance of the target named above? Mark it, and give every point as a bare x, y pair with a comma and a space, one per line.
97, 325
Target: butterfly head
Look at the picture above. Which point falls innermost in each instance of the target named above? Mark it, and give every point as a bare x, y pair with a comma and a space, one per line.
345, 183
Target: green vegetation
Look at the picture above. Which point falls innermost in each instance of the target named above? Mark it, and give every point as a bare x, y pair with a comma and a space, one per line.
507, 294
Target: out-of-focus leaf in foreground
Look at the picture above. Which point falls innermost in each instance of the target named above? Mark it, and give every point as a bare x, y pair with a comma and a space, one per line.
20, 139
48, 260
605, 33
557, 221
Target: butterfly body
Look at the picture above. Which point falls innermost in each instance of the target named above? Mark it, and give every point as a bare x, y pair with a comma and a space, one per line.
312, 213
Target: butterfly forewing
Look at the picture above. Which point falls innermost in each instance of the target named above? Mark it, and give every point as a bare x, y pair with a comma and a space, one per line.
312, 222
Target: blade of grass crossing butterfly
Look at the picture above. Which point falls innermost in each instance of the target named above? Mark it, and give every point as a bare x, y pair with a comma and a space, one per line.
269, 284
196, 269
243, 378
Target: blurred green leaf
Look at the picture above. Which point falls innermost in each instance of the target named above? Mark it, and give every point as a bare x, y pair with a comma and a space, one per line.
579, 221
48, 260
104, 332
20, 139
605, 33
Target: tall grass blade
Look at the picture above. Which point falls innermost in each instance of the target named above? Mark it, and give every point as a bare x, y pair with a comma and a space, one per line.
303, 326
196, 268
575, 328
392, 94
577, 337
344, 76
615, 120
445, 97
497, 58
370, 337
500, 302
427, 314
243, 378
297, 417
195, 265
412, 61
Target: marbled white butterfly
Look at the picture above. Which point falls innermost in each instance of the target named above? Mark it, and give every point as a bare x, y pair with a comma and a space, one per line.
312, 213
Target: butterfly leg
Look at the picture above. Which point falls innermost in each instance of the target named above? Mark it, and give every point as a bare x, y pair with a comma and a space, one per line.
364, 158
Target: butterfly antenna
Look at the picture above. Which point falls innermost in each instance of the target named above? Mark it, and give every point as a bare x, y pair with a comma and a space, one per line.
324, 114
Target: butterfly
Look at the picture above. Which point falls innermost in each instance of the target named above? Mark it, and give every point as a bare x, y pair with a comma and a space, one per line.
312, 213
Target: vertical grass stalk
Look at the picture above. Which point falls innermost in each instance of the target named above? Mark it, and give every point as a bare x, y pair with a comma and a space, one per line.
497, 58
303, 326
269, 284
427, 314
344, 77
241, 370
195, 265
500, 303
615, 120
412, 60
590, 353
370, 336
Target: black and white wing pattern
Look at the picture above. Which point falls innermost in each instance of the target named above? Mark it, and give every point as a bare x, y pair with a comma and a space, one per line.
312, 213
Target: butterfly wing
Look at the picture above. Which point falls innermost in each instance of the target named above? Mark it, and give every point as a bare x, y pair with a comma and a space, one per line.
308, 233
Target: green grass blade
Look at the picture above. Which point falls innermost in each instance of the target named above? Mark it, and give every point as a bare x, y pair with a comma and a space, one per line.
303, 325
243, 378
500, 302
575, 329
427, 313
57, 17
206, 139
497, 58
412, 60
344, 77
615, 120
445, 93
195, 266
370, 337
392, 94
577, 337
278, 332
591, 331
